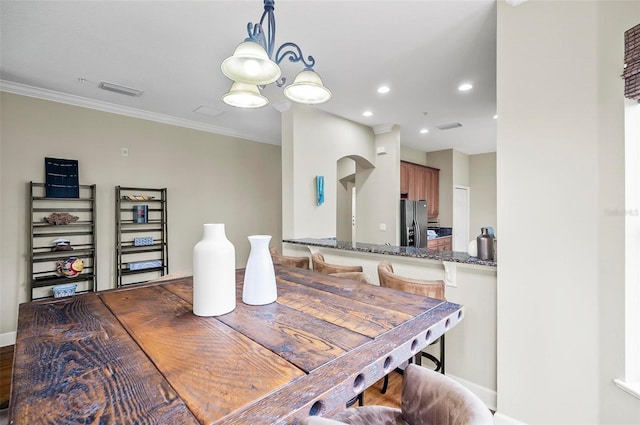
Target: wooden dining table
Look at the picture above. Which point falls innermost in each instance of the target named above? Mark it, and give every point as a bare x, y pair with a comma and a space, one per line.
139, 355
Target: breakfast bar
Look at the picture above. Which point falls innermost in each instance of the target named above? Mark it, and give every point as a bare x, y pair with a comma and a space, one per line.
469, 281
139, 355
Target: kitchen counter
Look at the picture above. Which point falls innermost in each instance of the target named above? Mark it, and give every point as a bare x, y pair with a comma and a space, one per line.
403, 251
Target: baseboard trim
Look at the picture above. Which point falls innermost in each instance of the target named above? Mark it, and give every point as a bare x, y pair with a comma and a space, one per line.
488, 396
8, 338
500, 419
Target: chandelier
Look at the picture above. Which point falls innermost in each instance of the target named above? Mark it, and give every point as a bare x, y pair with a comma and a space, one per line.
253, 66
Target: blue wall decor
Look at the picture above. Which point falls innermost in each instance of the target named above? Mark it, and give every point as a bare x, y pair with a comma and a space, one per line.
320, 189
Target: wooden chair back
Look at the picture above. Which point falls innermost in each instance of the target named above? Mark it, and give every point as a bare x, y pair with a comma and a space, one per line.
427, 288
284, 260
321, 266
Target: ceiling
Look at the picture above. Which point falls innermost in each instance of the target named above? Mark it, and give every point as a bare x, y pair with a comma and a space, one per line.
421, 49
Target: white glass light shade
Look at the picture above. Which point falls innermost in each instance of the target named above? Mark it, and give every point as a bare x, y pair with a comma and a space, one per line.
250, 64
243, 95
307, 88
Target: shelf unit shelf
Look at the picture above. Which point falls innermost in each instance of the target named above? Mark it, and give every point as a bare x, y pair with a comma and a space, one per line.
43, 274
128, 228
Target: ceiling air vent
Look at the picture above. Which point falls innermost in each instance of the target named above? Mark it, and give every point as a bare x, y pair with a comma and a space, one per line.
117, 88
206, 110
449, 126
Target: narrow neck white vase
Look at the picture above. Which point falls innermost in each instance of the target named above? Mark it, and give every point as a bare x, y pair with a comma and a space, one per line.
259, 277
214, 273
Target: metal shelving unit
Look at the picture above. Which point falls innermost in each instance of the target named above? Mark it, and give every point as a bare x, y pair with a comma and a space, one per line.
43, 274
153, 257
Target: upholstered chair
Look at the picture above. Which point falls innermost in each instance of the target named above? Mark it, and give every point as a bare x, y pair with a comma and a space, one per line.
428, 398
284, 260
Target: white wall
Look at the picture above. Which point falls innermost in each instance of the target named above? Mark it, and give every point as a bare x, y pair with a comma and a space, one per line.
559, 169
209, 178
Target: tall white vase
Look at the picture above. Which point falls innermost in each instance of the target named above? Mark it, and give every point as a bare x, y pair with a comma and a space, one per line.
259, 276
214, 273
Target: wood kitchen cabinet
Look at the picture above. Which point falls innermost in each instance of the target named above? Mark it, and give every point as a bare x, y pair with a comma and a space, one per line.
405, 171
433, 191
418, 182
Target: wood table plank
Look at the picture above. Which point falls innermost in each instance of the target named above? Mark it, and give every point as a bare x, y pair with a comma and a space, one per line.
326, 390
345, 311
366, 293
155, 362
207, 362
304, 340
75, 364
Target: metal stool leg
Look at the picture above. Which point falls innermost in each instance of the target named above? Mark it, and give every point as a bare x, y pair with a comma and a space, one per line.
439, 362
359, 398
385, 384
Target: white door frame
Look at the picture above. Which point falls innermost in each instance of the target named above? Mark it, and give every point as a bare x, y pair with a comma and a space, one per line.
353, 214
460, 223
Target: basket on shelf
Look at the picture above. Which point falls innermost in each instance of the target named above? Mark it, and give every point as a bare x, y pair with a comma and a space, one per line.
66, 290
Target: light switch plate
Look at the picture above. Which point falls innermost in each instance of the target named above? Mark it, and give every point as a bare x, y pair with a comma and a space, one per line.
449, 273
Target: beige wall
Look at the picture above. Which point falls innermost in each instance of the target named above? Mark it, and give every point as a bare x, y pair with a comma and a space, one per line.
412, 155
560, 169
482, 179
454, 171
460, 169
312, 144
210, 178
443, 160
379, 194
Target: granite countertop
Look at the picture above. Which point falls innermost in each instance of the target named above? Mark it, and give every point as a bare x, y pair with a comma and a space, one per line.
403, 251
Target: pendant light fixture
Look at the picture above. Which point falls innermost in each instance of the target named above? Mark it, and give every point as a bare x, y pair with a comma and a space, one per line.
251, 68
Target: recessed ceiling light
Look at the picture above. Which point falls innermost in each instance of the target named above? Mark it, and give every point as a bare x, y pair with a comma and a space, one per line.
424, 131
383, 89
465, 87
367, 113
495, 117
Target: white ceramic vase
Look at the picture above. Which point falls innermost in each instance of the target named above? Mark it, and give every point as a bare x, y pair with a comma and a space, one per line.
259, 276
214, 273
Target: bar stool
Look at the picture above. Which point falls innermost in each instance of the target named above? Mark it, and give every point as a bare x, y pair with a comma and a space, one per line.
345, 272
322, 266
284, 260
427, 288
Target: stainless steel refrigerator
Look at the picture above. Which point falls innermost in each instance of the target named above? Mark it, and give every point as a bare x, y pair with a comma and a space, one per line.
413, 223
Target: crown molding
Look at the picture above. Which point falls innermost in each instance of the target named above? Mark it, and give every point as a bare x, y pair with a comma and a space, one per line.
83, 102
382, 129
